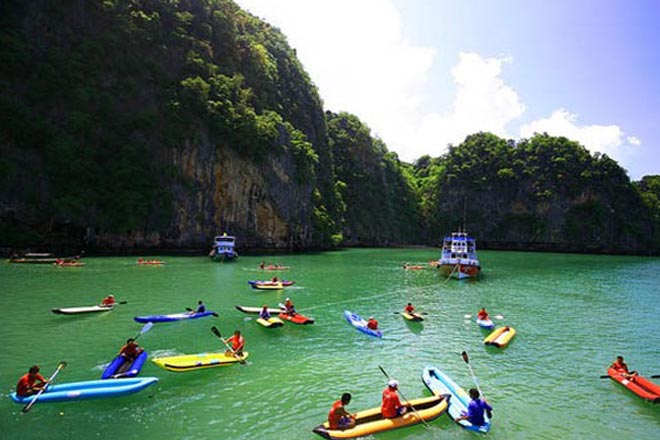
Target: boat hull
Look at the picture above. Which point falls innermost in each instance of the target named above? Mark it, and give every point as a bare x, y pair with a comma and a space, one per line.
172, 317
639, 385
91, 389
487, 324
271, 322
82, 310
414, 317
296, 318
361, 325
201, 361
371, 421
439, 383
130, 371
459, 271
257, 310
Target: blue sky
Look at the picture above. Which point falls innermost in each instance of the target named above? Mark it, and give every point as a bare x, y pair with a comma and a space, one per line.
423, 74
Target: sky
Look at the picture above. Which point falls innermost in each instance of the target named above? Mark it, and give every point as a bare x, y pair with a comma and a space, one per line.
424, 74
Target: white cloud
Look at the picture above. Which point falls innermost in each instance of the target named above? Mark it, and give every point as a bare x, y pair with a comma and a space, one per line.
606, 139
634, 140
357, 55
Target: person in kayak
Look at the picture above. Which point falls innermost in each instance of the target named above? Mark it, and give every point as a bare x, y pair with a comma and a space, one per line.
237, 344
274, 280
482, 314
264, 314
476, 408
108, 301
201, 308
372, 323
410, 309
130, 351
289, 308
27, 384
262, 265
338, 417
391, 406
622, 368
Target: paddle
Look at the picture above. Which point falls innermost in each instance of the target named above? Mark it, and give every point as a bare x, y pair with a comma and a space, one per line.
468, 316
29, 406
404, 398
143, 330
413, 313
216, 332
215, 315
464, 355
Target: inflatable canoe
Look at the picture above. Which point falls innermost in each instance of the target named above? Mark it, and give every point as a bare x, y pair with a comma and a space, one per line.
84, 309
440, 384
119, 368
151, 263
270, 285
371, 421
70, 264
487, 323
639, 385
296, 318
361, 324
173, 317
190, 362
91, 389
415, 317
271, 267
272, 322
257, 310
500, 337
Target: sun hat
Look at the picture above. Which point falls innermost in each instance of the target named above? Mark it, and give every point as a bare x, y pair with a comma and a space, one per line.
393, 383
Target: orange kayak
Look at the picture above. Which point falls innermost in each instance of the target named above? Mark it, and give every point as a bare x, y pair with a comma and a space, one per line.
639, 385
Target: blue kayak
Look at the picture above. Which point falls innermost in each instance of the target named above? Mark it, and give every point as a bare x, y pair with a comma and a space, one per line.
439, 383
117, 369
488, 324
361, 324
91, 389
173, 317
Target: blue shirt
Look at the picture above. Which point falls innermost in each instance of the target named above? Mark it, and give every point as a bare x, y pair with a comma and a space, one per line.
201, 308
476, 412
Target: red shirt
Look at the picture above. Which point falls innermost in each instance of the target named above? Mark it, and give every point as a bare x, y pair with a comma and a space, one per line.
372, 324
410, 308
335, 414
237, 343
26, 382
130, 350
482, 315
390, 404
109, 301
621, 367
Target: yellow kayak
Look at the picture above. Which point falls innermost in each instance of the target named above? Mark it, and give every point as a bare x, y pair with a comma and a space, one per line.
190, 362
500, 337
371, 421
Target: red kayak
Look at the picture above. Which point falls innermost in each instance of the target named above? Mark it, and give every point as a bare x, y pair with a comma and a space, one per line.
639, 385
296, 318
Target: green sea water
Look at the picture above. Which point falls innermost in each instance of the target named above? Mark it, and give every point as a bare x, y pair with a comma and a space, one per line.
573, 315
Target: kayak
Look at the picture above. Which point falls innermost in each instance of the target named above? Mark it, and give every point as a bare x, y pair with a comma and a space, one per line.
270, 267
257, 310
91, 389
412, 316
488, 323
440, 384
270, 285
190, 362
639, 385
500, 337
69, 264
173, 317
296, 318
151, 263
371, 421
361, 324
118, 368
84, 309
271, 322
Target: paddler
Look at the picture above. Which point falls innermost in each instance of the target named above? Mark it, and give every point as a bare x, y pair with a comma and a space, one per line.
264, 314
482, 314
237, 344
622, 368
338, 417
108, 301
391, 406
289, 308
27, 384
476, 408
130, 351
410, 309
372, 323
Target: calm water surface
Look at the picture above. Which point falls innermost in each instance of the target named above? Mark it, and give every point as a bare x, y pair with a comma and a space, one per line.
573, 315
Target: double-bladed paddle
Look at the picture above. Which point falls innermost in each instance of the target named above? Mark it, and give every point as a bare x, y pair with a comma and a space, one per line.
464, 355
29, 406
215, 315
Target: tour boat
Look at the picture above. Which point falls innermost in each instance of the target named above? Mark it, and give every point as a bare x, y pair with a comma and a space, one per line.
459, 256
223, 248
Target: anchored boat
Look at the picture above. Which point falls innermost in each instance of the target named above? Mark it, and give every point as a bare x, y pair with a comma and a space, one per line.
459, 257
223, 248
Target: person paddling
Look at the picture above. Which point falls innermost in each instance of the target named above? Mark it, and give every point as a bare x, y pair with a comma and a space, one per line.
372, 323
391, 406
410, 309
476, 408
622, 368
237, 344
338, 417
108, 301
289, 308
27, 385
264, 314
482, 314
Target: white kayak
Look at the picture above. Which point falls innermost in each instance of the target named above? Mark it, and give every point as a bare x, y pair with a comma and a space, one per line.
79, 310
